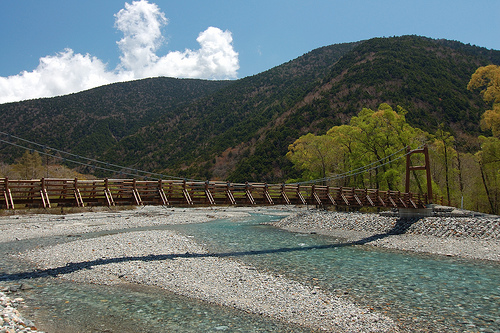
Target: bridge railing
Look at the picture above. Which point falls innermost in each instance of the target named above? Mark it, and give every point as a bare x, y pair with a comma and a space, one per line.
48, 192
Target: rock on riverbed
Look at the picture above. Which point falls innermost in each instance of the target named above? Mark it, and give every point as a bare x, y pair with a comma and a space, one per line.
10, 319
176, 263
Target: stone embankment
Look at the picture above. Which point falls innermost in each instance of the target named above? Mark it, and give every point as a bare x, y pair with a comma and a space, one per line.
448, 232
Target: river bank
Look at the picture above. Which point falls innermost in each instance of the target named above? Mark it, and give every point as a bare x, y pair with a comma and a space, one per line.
461, 236
166, 259
10, 316
169, 260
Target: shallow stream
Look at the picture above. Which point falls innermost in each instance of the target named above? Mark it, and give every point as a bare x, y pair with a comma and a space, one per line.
422, 292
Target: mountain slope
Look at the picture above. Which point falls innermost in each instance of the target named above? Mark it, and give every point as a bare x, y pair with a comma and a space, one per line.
240, 130
427, 77
89, 122
228, 119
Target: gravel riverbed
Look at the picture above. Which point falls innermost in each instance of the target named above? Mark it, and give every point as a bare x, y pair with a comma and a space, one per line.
461, 236
166, 259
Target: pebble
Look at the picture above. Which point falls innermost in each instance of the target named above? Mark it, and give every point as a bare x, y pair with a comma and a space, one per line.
10, 319
174, 262
166, 259
23, 227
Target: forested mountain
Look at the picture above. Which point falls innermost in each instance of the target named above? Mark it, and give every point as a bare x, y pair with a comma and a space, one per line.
240, 130
92, 121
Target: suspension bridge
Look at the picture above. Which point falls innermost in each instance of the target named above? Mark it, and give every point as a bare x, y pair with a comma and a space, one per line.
58, 192
51, 192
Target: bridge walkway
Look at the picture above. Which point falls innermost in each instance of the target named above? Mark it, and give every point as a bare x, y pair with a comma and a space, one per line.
52, 192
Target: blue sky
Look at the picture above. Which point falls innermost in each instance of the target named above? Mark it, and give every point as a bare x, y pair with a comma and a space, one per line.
77, 40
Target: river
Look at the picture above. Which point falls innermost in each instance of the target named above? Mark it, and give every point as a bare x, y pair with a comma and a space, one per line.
421, 292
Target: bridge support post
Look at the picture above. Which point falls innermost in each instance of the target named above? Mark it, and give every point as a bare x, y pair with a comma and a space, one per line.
425, 167
44, 194
9, 202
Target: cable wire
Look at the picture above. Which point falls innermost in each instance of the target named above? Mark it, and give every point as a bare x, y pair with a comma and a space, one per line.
130, 172
136, 172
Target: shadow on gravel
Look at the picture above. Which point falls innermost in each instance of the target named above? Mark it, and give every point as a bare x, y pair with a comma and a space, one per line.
401, 226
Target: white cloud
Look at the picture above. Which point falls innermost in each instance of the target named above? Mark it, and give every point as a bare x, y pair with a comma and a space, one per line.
62, 73
216, 59
141, 24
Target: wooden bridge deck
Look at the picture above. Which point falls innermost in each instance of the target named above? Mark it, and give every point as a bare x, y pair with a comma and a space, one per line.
51, 192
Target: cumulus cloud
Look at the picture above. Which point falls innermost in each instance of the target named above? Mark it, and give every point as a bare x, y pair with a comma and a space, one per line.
62, 73
216, 59
140, 23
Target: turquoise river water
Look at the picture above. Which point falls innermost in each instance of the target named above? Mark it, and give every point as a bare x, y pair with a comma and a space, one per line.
423, 293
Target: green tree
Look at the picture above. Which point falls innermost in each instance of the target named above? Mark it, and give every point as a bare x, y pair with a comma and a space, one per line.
380, 134
446, 157
372, 137
487, 79
348, 157
316, 155
489, 161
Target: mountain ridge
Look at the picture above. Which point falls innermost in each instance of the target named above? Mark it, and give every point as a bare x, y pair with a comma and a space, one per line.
240, 130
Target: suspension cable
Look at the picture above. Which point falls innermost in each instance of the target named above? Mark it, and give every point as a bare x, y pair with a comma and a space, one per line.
136, 172
106, 167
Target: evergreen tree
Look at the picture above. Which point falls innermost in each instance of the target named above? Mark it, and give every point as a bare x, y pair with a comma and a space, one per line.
29, 166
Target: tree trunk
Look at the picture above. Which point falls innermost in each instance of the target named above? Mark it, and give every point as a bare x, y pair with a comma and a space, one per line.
460, 179
493, 210
446, 172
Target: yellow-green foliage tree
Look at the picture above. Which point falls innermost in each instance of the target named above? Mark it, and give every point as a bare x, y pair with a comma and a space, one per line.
372, 137
381, 134
444, 162
348, 156
489, 161
487, 80
455, 174
313, 154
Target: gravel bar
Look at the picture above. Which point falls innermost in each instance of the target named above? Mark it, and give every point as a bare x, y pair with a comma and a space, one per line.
462, 236
10, 317
169, 260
